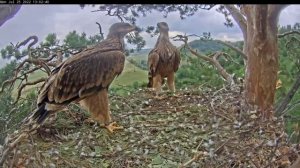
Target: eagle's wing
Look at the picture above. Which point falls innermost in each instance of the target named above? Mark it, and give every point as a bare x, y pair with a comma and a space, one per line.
176, 60
153, 59
83, 75
169, 55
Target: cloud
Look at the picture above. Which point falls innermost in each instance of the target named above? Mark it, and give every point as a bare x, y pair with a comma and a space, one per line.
41, 20
290, 15
30, 20
81, 20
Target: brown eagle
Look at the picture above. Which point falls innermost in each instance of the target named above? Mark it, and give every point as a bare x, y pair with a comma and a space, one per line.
85, 78
163, 60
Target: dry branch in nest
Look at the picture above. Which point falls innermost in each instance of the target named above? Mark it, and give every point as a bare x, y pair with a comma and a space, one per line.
16, 138
21, 73
212, 59
197, 128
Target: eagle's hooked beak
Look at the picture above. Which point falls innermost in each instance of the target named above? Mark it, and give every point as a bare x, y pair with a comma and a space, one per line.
161, 26
132, 30
158, 25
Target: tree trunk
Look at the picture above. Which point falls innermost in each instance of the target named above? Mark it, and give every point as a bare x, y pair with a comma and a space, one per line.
262, 52
296, 164
7, 12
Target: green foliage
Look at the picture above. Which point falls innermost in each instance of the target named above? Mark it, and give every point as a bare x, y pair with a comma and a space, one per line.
195, 71
7, 52
132, 12
51, 40
12, 114
289, 61
7, 71
73, 42
76, 41
136, 40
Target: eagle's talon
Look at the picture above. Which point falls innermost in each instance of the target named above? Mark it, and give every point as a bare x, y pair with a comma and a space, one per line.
175, 95
113, 126
159, 97
89, 121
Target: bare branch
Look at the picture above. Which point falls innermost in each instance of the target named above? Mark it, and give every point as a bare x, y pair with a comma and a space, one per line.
21, 73
214, 61
11, 146
15, 139
27, 84
197, 156
275, 9
238, 17
100, 30
233, 48
288, 33
236, 49
23, 43
39, 62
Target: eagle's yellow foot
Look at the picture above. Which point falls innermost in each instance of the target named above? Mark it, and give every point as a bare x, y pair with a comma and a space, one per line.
89, 121
113, 126
159, 97
175, 95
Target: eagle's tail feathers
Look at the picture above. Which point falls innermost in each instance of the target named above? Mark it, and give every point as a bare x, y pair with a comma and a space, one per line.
41, 113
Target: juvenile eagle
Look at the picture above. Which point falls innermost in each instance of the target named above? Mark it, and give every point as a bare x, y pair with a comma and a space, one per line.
163, 60
85, 78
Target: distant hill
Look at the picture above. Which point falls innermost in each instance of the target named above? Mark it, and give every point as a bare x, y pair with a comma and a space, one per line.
206, 46
199, 45
209, 46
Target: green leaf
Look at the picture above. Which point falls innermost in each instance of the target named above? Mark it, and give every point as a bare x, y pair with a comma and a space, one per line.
157, 160
97, 149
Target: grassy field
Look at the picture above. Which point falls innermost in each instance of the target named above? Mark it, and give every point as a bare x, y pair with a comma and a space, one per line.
130, 75
139, 58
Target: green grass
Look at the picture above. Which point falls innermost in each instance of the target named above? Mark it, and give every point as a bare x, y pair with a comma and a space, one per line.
130, 75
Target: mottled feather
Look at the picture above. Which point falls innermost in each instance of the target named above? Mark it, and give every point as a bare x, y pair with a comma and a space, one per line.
164, 58
85, 74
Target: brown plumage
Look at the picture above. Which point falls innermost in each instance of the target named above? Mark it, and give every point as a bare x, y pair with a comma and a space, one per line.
86, 77
163, 60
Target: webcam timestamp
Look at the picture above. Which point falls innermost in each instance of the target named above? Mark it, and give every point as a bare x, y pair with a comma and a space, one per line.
28, 2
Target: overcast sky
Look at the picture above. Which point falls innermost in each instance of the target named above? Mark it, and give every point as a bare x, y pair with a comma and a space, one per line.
41, 20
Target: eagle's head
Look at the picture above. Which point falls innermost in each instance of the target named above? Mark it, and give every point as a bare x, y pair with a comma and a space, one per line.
163, 27
121, 29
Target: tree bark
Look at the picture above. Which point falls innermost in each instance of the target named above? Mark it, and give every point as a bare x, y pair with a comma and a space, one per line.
262, 52
7, 12
242, 23
296, 164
